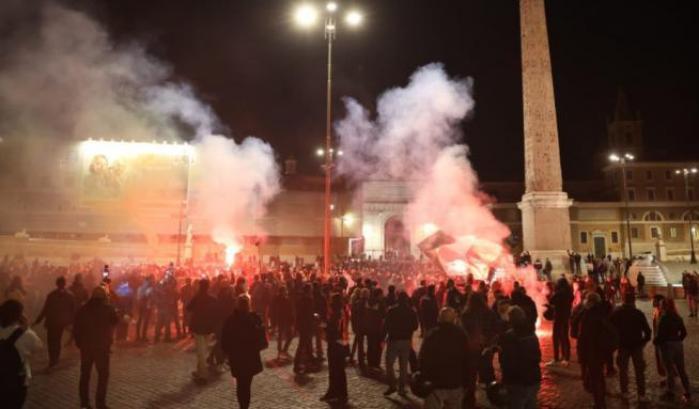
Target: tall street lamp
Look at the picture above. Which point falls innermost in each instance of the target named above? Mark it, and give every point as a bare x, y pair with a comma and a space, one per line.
686, 173
622, 160
306, 16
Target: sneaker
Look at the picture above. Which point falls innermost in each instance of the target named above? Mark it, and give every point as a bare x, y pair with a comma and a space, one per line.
390, 391
552, 363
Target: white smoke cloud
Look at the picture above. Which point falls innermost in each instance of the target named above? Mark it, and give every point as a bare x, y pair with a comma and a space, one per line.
63, 80
415, 138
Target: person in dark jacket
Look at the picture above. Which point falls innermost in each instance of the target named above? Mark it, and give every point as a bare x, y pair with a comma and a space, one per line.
305, 323
671, 333
359, 300
401, 321
521, 299
520, 356
374, 325
443, 360
283, 313
93, 331
78, 290
480, 323
204, 314
562, 303
641, 284
429, 310
57, 314
634, 334
335, 334
597, 339
242, 339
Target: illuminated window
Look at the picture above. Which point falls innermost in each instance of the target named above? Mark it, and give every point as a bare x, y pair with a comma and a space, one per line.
615, 237
653, 216
655, 232
673, 232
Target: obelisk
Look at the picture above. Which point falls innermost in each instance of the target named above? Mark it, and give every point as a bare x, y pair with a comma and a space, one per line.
545, 206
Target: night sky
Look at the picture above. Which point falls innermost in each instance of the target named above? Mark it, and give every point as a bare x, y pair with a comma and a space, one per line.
265, 77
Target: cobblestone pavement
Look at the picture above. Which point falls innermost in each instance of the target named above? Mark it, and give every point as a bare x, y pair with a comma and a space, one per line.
158, 376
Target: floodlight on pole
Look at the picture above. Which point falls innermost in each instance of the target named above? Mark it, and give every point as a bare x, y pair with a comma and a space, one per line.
621, 160
686, 173
354, 18
306, 15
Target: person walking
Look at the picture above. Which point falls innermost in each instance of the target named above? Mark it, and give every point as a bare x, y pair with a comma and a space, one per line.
242, 338
562, 303
692, 290
93, 331
338, 350
283, 314
634, 334
520, 356
203, 309
401, 321
671, 333
17, 344
57, 314
443, 360
429, 310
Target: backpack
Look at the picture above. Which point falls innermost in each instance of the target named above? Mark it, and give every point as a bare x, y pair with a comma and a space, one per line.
12, 370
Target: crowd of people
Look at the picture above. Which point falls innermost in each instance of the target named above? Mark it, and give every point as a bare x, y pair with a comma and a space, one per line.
444, 333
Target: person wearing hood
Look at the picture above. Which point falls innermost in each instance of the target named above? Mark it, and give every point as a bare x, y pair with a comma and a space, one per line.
562, 303
597, 339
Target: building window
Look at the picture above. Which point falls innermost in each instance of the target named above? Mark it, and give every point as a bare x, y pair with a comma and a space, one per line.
649, 175
629, 175
583, 237
673, 232
670, 194
653, 216
655, 232
650, 194
631, 194
634, 232
615, 237
690, 194
668, 175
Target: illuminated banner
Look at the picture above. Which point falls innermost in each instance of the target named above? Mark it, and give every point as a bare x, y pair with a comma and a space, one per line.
133, 171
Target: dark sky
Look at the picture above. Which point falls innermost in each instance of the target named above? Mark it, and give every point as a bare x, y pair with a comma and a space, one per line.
265, 77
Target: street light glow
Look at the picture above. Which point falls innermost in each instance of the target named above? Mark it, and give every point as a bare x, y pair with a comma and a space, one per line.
354, 18
629, 156
331, 7
694, 170
306, 15
320, 152
614, 157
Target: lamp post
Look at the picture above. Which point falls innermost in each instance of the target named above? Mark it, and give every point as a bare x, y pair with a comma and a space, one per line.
622, 160
306, 15
686, 173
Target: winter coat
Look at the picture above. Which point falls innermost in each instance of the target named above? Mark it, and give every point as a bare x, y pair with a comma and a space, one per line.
520, 356
94, 325
443, 357
242, 341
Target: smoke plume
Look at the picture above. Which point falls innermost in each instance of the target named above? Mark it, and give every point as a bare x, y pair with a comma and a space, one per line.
63, 80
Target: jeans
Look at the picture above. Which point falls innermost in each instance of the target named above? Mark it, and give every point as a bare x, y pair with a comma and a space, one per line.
100, 359
358, 346
142, 323
243, 386
523, 397
444, 399
399, 349
304, 351
374, 350
54, 335
594, 382
284, 337
201, 343
337, 378
561, 340
673, 357
639, 365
